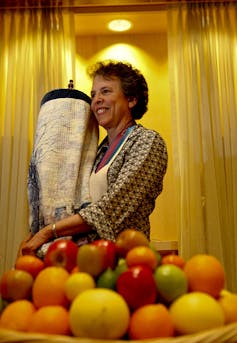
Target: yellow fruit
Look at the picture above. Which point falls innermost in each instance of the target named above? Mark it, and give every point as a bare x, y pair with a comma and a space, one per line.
51, 320
99, 313
17, 315
196, 311
228, 302
77, 283
49, 287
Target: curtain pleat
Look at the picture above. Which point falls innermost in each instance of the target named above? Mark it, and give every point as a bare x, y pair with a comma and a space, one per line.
202, 54
37, 54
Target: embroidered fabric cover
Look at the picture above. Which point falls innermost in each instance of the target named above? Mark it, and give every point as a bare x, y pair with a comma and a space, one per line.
64, 151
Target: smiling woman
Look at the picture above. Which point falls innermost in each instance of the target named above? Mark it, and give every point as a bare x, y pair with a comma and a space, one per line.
129, 168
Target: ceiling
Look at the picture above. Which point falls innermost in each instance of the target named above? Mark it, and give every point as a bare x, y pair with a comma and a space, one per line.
92, 16
142, 22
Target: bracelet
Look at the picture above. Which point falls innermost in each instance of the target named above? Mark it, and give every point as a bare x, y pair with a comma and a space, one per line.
54, 231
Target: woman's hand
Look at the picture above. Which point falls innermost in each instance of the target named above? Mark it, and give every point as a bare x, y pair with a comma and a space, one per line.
33, 242
22, 244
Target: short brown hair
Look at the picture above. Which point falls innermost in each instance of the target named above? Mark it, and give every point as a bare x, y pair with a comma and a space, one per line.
132, 81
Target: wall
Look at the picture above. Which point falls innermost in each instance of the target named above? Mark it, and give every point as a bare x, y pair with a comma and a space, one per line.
148, 52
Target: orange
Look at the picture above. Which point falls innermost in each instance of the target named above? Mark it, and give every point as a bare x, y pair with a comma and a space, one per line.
50, 320
75, 270
205, 274
49, 287
30, 264
17, 315
228, 302
173, 259
142, 255
151, 321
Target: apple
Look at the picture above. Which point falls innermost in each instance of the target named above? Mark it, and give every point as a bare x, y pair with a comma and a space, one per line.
110, 252
15, 285
171, 282
62, 253
137, 286
91, 259
128, 239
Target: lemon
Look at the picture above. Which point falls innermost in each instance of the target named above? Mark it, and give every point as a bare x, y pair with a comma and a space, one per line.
99, 313
77, 283
196, 311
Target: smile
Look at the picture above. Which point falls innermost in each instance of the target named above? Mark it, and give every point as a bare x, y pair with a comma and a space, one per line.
101, 110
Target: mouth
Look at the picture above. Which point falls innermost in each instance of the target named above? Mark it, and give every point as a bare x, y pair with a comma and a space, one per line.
100, 110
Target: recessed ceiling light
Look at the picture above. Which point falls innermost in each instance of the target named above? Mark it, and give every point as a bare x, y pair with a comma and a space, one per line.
120, 25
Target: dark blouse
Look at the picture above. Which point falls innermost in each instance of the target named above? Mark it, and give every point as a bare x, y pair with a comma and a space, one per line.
135, 179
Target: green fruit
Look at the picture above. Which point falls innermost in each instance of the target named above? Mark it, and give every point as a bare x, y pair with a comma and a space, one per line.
171, 282
107, 279
121, 267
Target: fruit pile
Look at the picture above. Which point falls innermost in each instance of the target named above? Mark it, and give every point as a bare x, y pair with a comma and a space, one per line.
115, 290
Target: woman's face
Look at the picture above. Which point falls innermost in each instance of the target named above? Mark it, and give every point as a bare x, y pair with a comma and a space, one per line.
109, 104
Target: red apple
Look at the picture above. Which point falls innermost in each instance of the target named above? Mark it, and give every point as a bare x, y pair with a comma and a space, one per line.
137, 286
110, 252
128, 239
91, 259
62, 253
16, 284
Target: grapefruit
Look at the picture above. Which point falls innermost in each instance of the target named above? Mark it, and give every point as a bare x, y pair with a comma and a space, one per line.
196, 311
99, 313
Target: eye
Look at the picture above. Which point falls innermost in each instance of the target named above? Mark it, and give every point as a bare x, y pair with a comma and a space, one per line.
105, 91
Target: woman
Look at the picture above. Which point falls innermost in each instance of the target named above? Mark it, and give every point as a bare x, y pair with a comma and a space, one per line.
129, 168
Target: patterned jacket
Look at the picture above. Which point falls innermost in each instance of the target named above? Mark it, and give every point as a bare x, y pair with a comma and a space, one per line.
135, 179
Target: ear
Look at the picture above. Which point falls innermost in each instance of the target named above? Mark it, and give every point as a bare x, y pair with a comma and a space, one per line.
132, 101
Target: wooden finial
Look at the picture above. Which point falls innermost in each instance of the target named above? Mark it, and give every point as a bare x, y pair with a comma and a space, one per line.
70, 85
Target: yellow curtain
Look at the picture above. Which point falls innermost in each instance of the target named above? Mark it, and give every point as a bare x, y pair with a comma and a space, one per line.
202, 42
37, 55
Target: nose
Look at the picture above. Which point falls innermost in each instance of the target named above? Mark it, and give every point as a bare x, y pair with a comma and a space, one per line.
97, 98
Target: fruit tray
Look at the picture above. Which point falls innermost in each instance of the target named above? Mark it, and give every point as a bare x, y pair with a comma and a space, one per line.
225, 334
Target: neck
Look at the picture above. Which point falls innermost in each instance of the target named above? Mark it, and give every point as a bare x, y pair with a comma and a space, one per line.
119, 131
